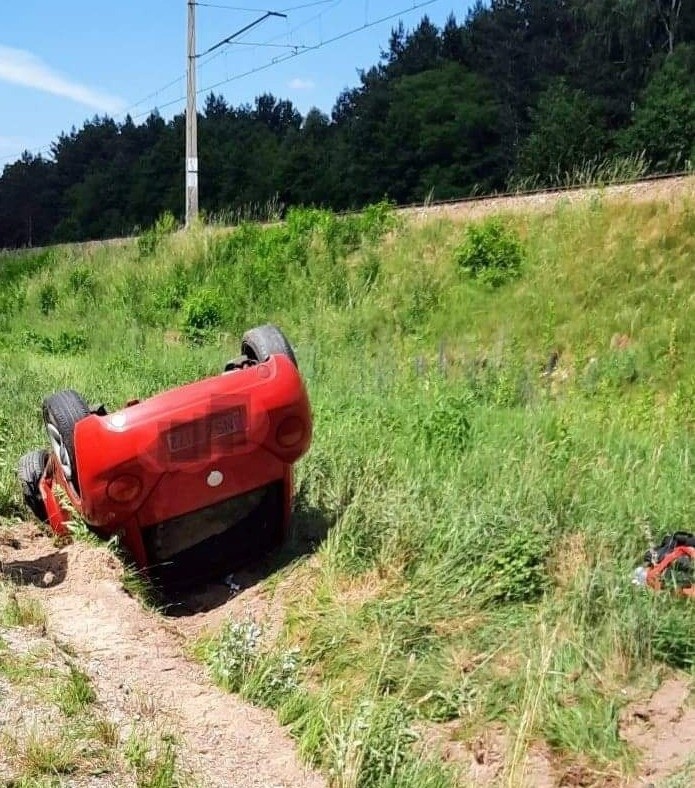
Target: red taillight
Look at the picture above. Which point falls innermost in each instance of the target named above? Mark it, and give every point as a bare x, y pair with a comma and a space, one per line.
290, 432
124, 489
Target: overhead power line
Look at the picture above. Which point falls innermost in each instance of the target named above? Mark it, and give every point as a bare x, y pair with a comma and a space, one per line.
242, 30
312, 48
259, 10
300, 50
269, 43
307, 48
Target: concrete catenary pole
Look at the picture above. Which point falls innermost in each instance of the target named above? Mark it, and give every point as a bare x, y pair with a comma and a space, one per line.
191, 124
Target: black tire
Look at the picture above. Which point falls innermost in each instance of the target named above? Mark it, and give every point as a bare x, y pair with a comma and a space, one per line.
29, 471
263, 342
62, 411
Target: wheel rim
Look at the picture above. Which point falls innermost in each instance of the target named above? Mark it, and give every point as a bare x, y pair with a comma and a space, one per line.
60, 450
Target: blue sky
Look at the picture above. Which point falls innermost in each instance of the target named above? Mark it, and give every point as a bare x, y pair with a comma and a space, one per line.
63, 62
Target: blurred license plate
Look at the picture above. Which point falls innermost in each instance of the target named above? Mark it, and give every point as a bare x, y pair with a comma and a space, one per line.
199, 433
182, 438
230, 423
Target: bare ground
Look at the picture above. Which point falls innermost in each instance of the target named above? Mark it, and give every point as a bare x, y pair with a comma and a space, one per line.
663, 729
138, 666
660, 728
665, 190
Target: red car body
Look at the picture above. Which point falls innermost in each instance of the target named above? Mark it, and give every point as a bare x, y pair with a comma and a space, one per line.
196, 479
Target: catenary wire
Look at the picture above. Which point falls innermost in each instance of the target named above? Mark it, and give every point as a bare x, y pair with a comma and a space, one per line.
275, 61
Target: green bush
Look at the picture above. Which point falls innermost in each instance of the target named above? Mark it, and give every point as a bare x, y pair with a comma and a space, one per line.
82, 280
67, 343
491, 252
512, 566
446, 425
48, 298
202, 312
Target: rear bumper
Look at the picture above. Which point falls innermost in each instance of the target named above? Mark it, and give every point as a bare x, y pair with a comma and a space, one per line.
207, 544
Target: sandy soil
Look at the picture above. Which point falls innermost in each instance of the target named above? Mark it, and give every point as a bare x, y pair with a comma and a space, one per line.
137, 663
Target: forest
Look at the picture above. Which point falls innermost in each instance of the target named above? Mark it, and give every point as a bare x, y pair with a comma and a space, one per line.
519, 93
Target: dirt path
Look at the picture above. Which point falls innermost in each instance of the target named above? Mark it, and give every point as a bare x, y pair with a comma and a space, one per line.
663, 728
137, 663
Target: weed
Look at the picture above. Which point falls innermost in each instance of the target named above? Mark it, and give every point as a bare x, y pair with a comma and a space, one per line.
154, 760
66, 343
106, 732
82, 280
446, 424
17, 609
234, 654
75, 693
43, 753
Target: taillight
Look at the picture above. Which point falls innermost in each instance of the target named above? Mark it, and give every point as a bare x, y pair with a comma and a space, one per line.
124, 489
289, 432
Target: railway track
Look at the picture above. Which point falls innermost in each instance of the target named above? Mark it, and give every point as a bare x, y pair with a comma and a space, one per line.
654, 187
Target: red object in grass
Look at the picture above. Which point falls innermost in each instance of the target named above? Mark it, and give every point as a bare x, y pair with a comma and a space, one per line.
195, 480
655, 574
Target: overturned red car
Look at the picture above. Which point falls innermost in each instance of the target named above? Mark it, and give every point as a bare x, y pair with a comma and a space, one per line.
196, 480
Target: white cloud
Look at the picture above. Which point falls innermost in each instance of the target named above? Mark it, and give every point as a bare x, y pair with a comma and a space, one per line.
23, 68
10, 144
301, 84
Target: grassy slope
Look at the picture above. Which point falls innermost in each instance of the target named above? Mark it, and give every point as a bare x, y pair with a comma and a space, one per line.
485, 519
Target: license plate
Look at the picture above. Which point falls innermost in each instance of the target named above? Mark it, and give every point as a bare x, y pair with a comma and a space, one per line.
181, 438
228, 423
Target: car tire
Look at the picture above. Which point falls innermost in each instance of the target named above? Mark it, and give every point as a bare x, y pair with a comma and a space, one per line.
29, 471
262, 342
61, 411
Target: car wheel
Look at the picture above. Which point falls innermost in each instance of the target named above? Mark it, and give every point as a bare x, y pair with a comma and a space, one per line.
262, 342
61, 412
30, 470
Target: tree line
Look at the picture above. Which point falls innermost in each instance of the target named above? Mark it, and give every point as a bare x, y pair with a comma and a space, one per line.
521, 91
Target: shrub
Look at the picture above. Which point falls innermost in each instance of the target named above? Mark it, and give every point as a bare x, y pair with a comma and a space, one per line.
446, 426
67, 343
491, 253
202, 312
82, 280
48, 298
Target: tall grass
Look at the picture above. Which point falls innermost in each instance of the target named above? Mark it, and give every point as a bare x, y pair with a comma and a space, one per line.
487, 507
596, 171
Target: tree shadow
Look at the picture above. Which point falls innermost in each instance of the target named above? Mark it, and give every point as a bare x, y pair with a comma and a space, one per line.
44, 572
309, 527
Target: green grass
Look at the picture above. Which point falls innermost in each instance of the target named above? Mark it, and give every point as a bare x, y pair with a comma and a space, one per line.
153, 759
75, 693
483, 518
17, 609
